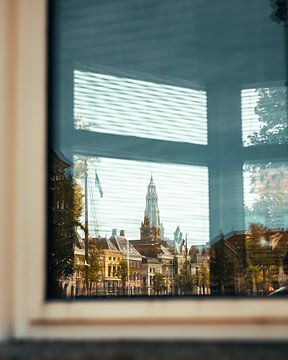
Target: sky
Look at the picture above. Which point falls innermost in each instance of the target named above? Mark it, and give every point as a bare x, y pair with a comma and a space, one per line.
182, 197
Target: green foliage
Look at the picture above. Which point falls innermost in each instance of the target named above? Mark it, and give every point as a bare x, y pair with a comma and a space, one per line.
268, 181
159, 284
77, 201
222, 267
65, 207
203, 278
122, 273
193, 253
94, 270
184, 282
279, 13
262, 264
272, 112
94, 273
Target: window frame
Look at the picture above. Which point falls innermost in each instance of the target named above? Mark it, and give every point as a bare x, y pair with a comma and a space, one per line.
28, 314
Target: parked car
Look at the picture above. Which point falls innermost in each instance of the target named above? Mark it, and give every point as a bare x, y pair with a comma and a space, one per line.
282, 291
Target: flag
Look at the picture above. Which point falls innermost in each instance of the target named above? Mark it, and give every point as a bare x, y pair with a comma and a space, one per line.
98, 184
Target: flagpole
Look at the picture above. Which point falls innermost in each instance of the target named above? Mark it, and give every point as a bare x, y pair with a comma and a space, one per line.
86, 227
128, 267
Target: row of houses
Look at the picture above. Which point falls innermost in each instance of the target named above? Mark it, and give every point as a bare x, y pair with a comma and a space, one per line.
137, 267
252, 262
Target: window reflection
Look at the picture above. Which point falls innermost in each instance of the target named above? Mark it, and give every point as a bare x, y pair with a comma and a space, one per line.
266, 194
264, 116
110, 240
249, 263
147, 210
121, 105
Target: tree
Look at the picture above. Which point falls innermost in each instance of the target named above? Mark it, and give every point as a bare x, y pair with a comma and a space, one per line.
122, 274
269, 181
203, 278
279, 14
65, 208
94, 270
193, 253
262, 264
222, 268
184, 282
271, 109
159, 284
77, 201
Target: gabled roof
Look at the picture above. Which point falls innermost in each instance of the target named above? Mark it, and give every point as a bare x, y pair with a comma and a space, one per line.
122, 245
151, 250
148, 250
104, 244
165, 251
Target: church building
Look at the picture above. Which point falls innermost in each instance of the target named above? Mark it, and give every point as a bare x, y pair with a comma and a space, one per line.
151, 230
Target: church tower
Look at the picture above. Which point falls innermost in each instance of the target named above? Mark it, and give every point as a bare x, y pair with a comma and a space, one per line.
151, 229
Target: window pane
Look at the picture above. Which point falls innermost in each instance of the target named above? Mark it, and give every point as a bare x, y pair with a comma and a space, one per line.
264, 116
185, 92
125, 106
266, 194
117, 196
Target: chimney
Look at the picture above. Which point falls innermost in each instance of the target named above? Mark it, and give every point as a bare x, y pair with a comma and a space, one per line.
122, 233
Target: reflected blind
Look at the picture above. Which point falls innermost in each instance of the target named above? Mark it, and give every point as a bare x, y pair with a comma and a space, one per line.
250, 121
121, 105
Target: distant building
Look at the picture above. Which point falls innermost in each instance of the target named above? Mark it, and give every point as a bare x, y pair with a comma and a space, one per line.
247, 262
200, 268
130, 266
149, 267
160, 258
133, 259
109, 258
178, 235
151, 229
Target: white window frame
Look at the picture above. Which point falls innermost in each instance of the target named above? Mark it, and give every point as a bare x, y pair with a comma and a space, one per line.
24, 313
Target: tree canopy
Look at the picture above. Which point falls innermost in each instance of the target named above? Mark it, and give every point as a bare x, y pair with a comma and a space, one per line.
269, 180
184, 282
271, 109
159, 284
65, 208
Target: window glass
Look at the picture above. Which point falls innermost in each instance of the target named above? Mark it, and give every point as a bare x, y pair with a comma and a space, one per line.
264, 116
122, 192
167, 149
125, 106
266, 194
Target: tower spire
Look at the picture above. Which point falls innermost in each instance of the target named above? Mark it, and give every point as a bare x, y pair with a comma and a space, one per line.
151, 227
